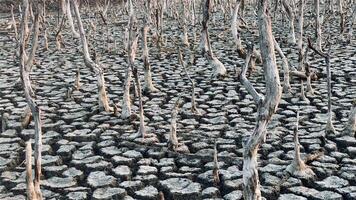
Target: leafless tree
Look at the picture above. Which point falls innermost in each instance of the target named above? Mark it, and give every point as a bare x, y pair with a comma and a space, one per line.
267, 105
131, 50
290, 8
317, 25
329, 125
4, 122
148, 87
350, 128
173, 143
97, 68
194, 108
205, 45
33, 189
298, 167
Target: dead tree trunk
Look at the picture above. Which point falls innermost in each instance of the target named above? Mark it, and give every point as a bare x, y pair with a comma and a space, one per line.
353, 19
300, 24
342, 16
235, 31
131, 51
194, 108
350, 128
173, 143
70, 20
329, 125
25, 68
290, 12
14, 22
103, 99
317, 25
149, 87
4, 122
286, 82
298, 167
219, 68
266, 105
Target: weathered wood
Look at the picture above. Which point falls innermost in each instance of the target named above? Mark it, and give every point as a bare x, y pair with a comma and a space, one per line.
70, 20
350, 127
219, 68
286, 82
329, 125
4, 122
131, 51
103, 99
148, 86
194, 108
298, 167
290, 12
266, 107
317, 25
25, 67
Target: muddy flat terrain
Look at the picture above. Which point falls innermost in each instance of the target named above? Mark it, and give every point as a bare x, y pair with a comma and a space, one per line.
88, 154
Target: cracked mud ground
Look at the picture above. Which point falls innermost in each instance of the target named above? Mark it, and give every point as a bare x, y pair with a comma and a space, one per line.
87, 153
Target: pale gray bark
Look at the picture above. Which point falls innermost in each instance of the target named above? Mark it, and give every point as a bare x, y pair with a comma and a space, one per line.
298, 167
286, 81
70, 20
350, 128
4, 122
317, 25
148, 86
266, 106
34, 191
103, 99
290, 12
194, 108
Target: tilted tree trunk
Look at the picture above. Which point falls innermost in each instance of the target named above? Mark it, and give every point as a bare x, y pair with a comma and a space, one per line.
218, 67
235, 31
148, 87
14, 22
194, 108
34, 191
286, 81
103, 99
173, 143
266, 105
70, 20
